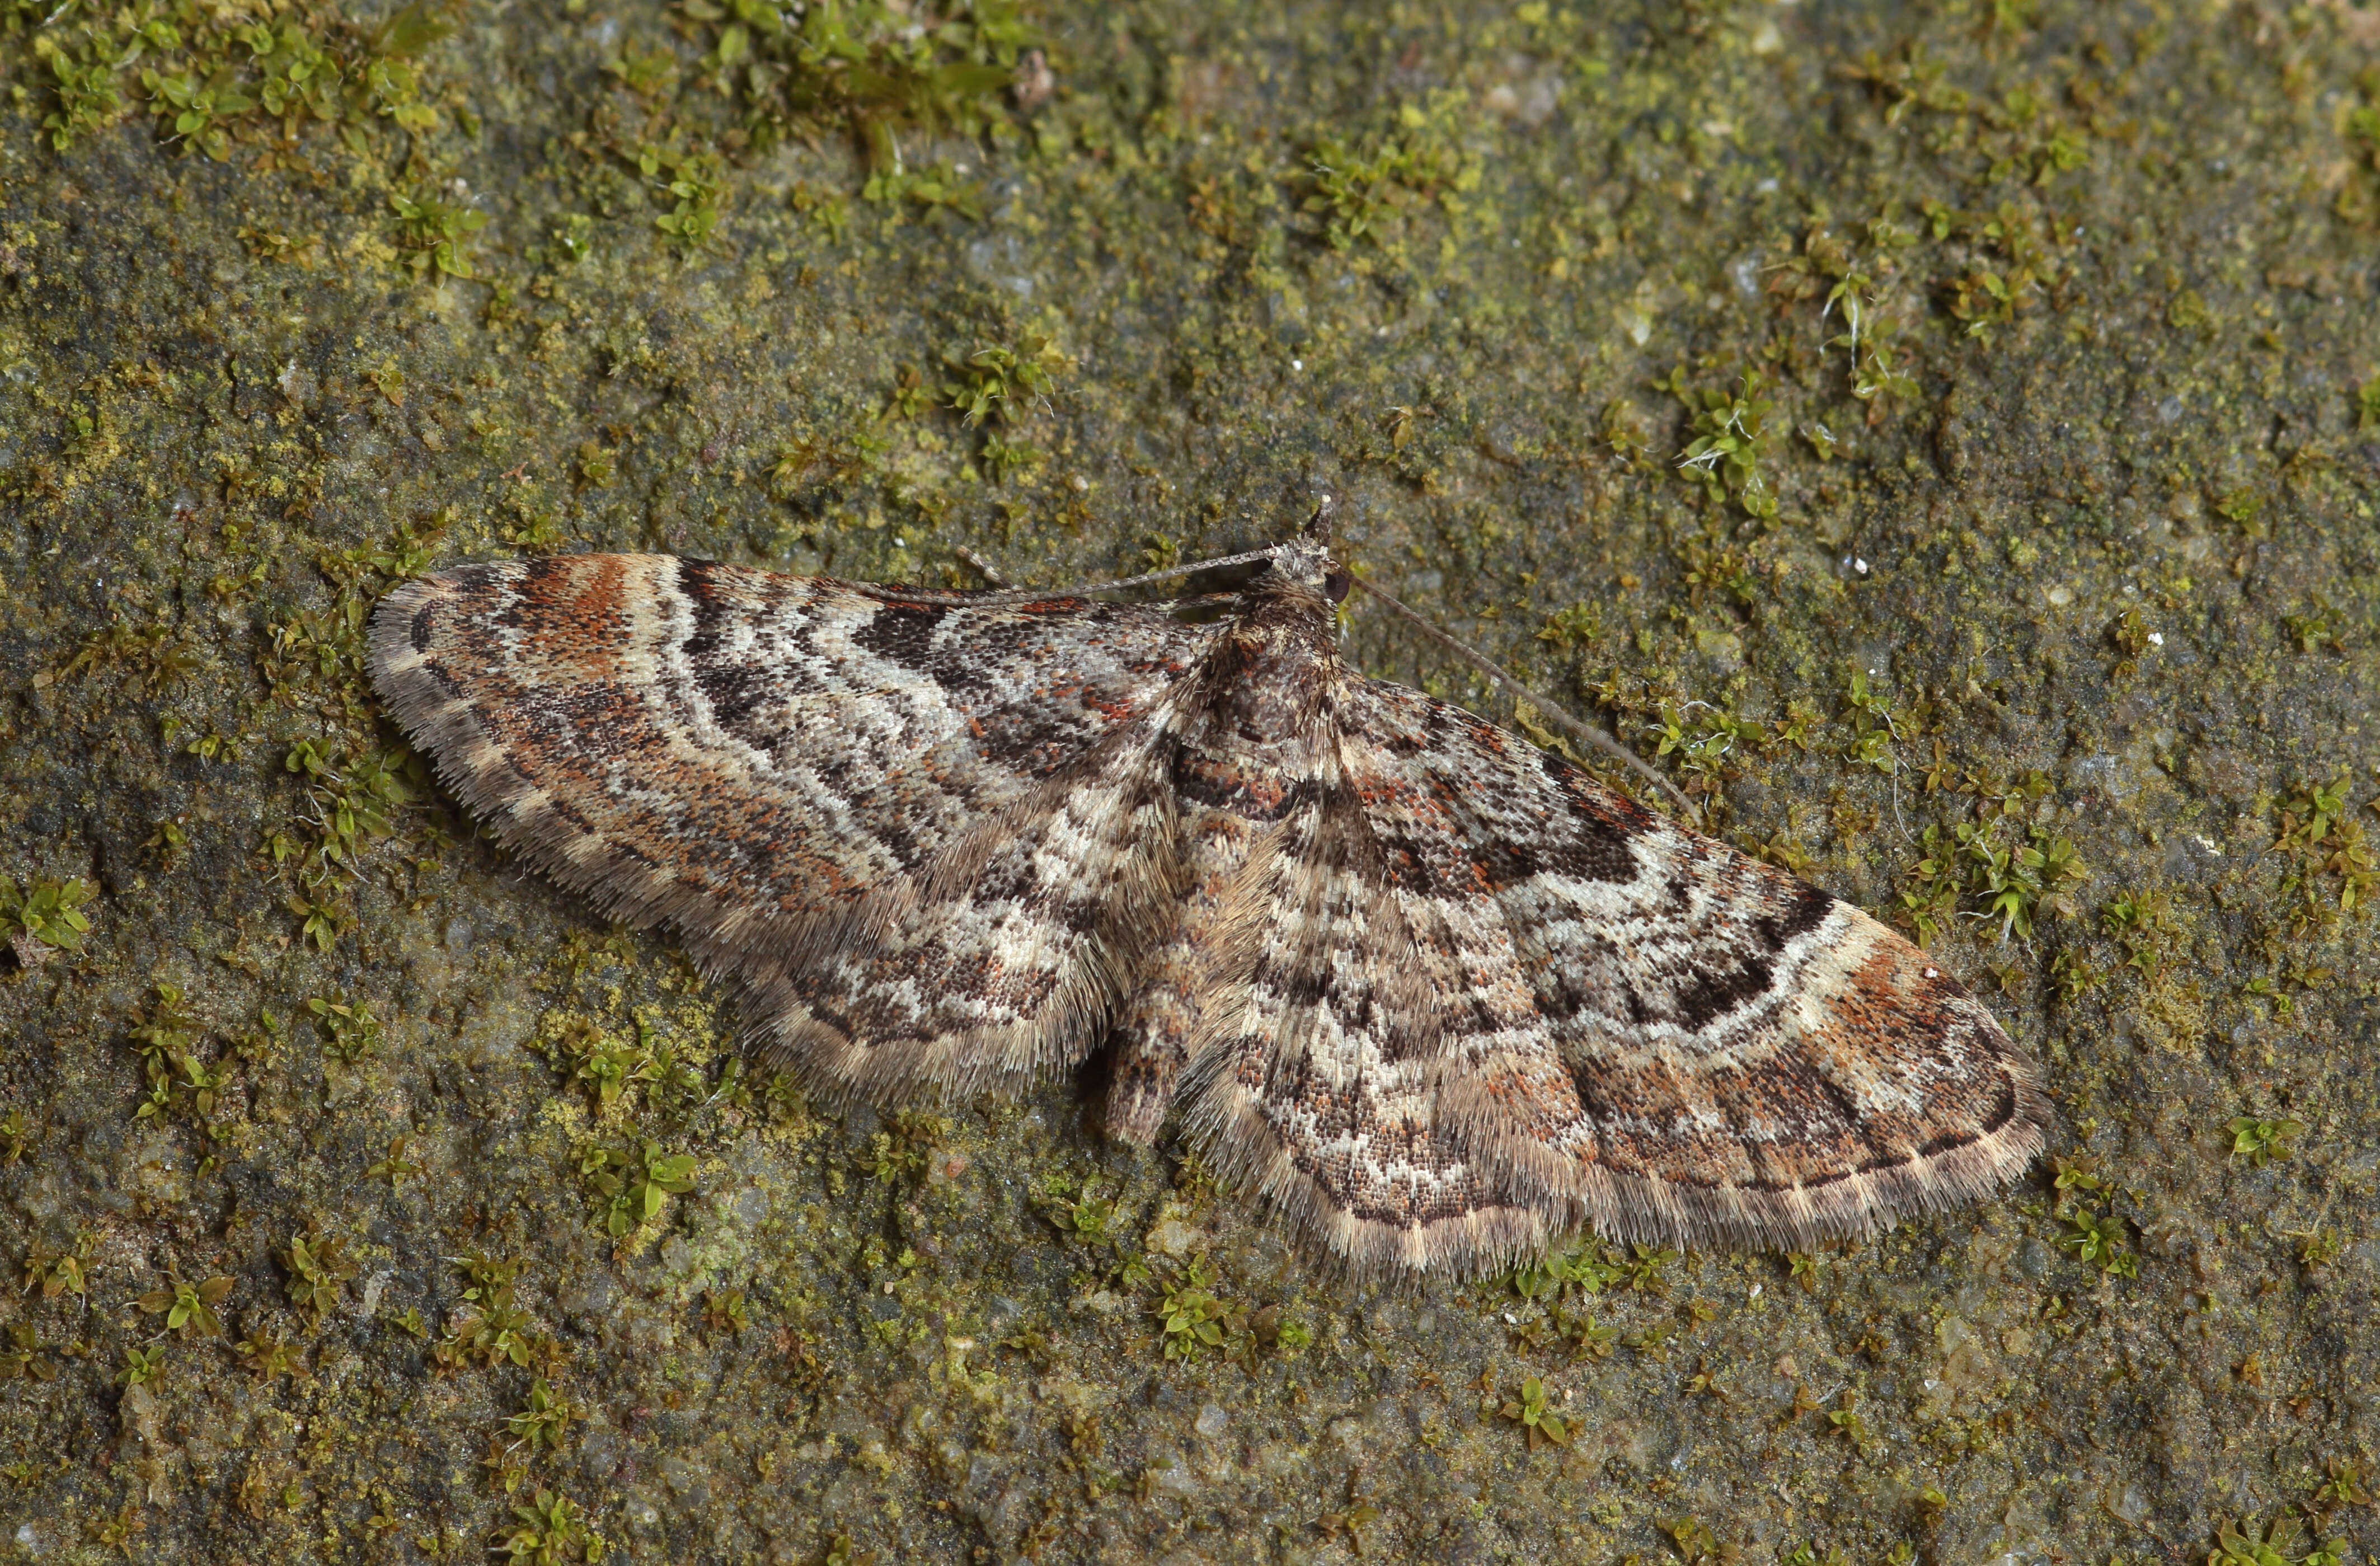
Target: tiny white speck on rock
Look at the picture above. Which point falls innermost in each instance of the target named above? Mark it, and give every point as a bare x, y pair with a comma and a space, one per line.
1173, 1238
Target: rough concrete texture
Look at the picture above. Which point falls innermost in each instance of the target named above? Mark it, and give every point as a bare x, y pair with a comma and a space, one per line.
2037, 610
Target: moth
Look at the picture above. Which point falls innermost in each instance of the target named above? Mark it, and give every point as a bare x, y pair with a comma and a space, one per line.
1433, 994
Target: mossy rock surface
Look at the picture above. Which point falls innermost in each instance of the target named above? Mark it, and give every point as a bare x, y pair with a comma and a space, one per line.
1946, 438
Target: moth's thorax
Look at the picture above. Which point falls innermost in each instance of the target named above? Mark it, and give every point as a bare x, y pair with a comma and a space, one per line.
1276, 659
1244, 730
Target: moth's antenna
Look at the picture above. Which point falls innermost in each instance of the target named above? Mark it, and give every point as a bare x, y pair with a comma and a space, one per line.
1038, 595
1587, 733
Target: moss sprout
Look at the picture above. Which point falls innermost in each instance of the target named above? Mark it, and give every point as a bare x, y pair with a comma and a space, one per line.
190, 1306
1193, 1319
549, 1531
1730, 435
490, 1327
2097, 1239
635, 1183
271, 1356
2283, 1541
54, 1273
42, 916
141, 1367
545, 1419
2257, 1142
319, 1269
1536, 1415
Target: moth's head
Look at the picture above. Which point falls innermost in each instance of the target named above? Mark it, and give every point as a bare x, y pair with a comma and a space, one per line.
1305, 560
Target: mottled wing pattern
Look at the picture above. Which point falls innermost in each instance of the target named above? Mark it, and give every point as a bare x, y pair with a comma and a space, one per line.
777, 765
1321, 1085
1749, 1060
1005, 960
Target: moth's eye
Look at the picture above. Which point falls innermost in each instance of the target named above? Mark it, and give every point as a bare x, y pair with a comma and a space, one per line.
1336, 583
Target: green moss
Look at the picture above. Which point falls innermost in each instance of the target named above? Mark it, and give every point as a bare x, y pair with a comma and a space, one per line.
550, 1529
219, 80
1191, 1318
1730, 433
318, 1268
1530, 1411
635, 1184
433, 239
44, 915
188, 1305
2245, 1543
2258, 1142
